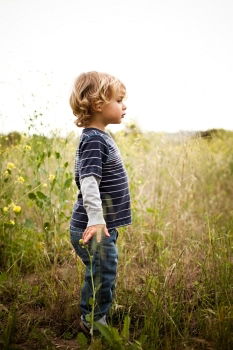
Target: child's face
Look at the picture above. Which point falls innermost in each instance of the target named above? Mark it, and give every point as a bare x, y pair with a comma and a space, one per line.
114, 111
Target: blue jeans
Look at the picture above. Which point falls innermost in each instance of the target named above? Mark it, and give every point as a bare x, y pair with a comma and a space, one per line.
104, 267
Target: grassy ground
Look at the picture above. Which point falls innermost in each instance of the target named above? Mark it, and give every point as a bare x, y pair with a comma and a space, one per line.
175, 275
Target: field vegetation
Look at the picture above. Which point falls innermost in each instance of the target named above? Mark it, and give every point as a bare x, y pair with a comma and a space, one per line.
175, 274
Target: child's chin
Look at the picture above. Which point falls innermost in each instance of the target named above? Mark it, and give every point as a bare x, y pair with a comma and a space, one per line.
117, 121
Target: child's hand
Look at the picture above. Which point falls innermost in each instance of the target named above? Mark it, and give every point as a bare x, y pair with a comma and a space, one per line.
95, 229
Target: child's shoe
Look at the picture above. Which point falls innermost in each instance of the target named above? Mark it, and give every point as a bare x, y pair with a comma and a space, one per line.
86, 326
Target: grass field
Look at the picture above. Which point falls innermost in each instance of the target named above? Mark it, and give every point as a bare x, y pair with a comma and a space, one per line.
175, 274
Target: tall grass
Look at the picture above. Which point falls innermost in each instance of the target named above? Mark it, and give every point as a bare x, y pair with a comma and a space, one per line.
175, 274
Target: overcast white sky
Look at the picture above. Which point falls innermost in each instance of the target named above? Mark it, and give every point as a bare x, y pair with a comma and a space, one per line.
174, 56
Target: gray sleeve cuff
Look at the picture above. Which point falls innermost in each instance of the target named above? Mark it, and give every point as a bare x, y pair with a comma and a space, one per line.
91, 200
95, 218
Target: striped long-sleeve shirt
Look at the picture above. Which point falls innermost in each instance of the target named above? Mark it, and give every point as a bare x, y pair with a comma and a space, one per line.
98, 155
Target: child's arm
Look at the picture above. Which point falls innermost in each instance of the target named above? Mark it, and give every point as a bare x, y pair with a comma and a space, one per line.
93, 154
93, 205
91, 200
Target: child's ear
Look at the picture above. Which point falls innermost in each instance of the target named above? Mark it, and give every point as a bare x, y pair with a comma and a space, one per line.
97, 107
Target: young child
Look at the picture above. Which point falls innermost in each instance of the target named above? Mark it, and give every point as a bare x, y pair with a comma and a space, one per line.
103, 201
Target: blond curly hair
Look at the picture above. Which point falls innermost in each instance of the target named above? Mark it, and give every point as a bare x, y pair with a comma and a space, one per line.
91, 90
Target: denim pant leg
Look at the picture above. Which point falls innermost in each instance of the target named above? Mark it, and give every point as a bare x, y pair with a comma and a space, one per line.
104, 266
108, 258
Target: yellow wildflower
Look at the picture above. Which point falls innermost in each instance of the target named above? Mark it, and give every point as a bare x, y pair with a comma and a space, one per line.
17, 209
5, 209
20, 179
51, 177
6, 173
10, 166
12, 222
27, 148
45, 185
